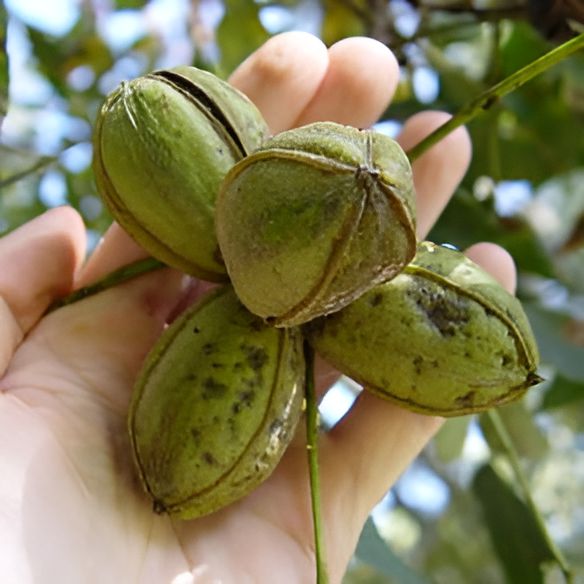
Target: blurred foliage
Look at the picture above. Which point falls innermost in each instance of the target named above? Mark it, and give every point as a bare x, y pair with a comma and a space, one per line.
239, 33
514, 535
524, 190
3, 63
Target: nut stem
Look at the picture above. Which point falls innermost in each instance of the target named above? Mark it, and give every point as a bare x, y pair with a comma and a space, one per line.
312, 450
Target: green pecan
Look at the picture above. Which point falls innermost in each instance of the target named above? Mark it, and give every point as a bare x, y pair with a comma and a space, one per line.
162, 145
441, 338
215, 406
314, 218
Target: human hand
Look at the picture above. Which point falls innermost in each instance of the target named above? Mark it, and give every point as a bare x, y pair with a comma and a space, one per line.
71, 508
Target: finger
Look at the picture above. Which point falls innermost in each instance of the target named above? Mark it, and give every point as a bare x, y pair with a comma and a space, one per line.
360, 81
373, 444
439, 170
325, 375
105, 338
282, 76
39, 261
109, 334
497, 261
116, 249
369, 449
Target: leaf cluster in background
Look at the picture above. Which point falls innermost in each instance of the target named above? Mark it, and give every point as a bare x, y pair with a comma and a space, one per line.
455, 517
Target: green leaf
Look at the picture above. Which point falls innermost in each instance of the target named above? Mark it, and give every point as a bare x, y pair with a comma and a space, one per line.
457, 87
239, 33
573, 71
342, 20
519, 422
521, 44
449, 441
563, 392
373, 550
513, 529
570, 267
3, 63
552, 332
534, 132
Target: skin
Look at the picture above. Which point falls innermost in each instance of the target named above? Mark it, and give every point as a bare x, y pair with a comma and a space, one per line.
70, 507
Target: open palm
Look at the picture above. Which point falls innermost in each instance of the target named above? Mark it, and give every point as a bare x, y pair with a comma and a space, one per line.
71, 510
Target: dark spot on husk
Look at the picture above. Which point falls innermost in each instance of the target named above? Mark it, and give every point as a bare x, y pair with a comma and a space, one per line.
256, 356
446, 312
209, 458
208, 348
249, 382
237, 366
417, 363
376, 299
217, 365
246, 399
466, 400
489, 312
213, 389
195, 434
196, 330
